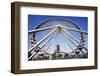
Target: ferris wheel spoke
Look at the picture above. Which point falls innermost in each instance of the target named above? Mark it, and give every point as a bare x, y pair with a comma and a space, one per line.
66, 41
72, 36
75, 29
74, 39
69, 39
45, 49
43, 45
49, 39
41, 29
82, 47
42, 39
49, 45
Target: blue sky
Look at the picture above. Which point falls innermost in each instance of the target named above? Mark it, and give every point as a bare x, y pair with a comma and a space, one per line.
35, 20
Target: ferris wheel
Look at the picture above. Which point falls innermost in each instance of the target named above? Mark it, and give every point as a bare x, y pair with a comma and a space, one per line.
57, 39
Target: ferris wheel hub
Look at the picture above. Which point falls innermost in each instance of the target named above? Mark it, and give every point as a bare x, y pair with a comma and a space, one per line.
59, 27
